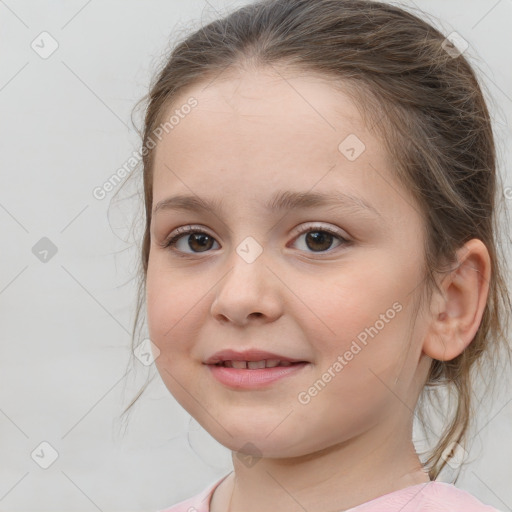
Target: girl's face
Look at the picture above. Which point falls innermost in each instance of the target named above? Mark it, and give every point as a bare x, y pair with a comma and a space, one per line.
332, 282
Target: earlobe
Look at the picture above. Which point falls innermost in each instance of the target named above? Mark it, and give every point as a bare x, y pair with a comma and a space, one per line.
456, 315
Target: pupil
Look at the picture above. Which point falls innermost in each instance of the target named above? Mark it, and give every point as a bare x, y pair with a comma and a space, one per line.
201, 238
321, 237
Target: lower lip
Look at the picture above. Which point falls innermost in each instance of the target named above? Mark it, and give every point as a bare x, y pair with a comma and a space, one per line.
246, 378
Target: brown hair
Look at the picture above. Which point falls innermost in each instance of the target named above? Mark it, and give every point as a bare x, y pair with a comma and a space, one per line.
430, 112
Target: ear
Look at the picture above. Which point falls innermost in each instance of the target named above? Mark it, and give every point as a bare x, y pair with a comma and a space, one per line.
456, 315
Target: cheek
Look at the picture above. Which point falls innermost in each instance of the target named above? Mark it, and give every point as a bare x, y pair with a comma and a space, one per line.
362, 315
349, 299
173, 307
173, 317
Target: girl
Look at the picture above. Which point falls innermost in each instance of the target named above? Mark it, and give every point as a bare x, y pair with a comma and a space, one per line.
320, 251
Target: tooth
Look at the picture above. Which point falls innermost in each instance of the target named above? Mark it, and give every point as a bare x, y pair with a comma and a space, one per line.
285, 363
254, 365
238, 364
272, 363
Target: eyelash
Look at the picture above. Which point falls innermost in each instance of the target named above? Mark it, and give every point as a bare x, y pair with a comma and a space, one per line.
188, 230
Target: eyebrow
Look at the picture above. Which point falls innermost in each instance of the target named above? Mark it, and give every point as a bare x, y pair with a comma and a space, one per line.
281, 200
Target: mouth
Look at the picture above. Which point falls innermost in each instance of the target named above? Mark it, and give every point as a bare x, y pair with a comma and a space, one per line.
251, 375
256, 365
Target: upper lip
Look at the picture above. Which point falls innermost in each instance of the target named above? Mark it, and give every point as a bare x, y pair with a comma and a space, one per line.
247, 355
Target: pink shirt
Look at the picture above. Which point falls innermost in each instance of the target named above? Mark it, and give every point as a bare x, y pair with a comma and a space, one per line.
426, 497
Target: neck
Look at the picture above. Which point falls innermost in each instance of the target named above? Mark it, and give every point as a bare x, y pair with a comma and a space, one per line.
335, 478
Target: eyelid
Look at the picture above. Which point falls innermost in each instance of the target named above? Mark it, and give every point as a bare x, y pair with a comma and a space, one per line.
171, 240
299, 230
183, 230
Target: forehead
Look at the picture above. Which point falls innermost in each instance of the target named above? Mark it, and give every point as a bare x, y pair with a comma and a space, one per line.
265, 114
262, 131
272, 94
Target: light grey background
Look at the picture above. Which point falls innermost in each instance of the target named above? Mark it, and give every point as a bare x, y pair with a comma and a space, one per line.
65, 373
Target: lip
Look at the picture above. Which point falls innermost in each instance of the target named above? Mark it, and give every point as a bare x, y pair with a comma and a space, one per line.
248, 355
239, 378
246, 378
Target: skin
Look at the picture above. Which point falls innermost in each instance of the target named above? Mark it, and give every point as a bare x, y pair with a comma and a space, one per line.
251, 134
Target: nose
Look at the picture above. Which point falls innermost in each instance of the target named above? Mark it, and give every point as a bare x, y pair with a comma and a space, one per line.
249, 291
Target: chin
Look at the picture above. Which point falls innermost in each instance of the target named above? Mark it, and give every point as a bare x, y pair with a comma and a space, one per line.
256, 442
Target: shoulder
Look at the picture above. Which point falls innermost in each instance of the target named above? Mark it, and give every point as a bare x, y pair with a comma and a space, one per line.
198, 503
428, 497
447, 497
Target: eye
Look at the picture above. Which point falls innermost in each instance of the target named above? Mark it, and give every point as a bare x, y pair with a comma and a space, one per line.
197, 239
320, 237
317, 237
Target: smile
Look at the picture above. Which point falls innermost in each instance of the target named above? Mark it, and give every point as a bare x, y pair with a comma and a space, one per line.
254, 374
254, 365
